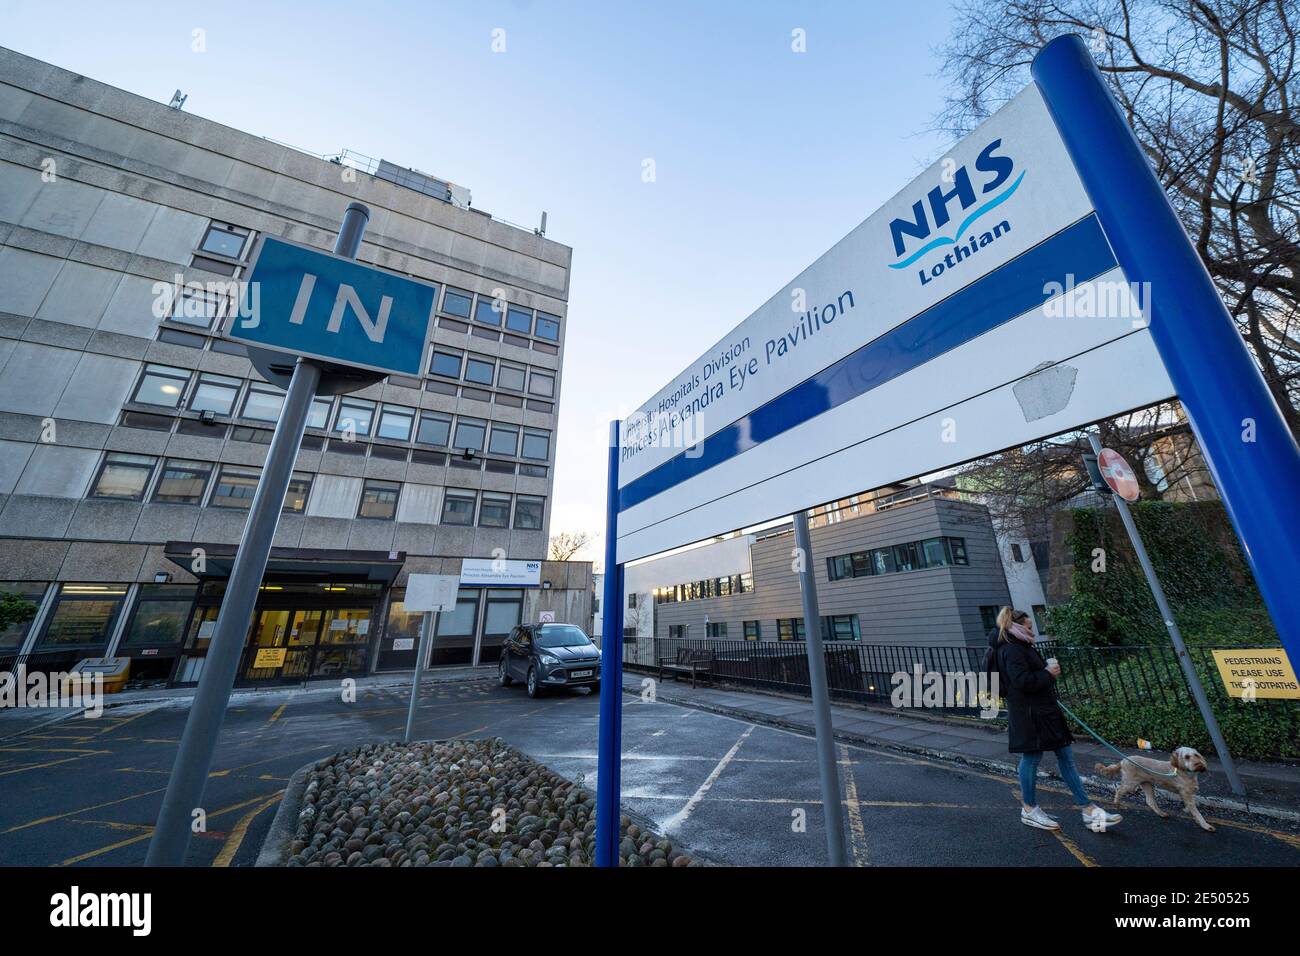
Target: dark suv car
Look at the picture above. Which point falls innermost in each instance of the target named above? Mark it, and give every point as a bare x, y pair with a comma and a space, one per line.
550, 655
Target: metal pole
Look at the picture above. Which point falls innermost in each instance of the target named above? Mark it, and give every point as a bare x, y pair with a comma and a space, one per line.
1184, 660
826, 768
1247, 444
171, 836
610, 744
426, 628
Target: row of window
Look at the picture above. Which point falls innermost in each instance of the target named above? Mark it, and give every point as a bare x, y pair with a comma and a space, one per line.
165, 386
910, 556
129, 477
835, 627
229, 242
477, 369
709, 588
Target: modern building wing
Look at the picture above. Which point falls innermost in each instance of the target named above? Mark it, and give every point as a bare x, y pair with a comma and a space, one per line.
132, 432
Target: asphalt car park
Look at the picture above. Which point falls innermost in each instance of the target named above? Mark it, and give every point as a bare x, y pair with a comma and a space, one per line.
86, 792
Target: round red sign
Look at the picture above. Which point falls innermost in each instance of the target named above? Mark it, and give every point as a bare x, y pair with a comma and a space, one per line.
1118, 474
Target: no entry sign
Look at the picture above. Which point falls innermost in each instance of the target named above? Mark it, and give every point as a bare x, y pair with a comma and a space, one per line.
1119, 474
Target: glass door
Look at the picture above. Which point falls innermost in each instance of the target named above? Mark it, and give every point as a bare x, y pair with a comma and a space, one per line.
268, 651
344, 641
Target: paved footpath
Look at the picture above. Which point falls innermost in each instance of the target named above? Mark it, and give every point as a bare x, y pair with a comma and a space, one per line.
86, 792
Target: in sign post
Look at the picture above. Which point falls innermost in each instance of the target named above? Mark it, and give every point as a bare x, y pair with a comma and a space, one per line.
322, 312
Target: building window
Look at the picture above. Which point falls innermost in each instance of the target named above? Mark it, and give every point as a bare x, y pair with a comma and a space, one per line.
528, 513
989, 616
295, 496
215, 393
354, 415
957, 549
124, 476
83, 615
235, 487
677, 632
753, 631
469, 434
716, 630
790, 629
511, 377
841, 627
434, 430
631, 600
395, 422
222, 239
1017, 553
263, 403
505, 439
488, 311
537, 444
458, 506
519, 320
479, 371
839, 567
318, 415
161, 385
182, 482
379, 499
541, 383
12, 637
494, 512
455, 302
160, 615
196, 307
1040, 618
548, 326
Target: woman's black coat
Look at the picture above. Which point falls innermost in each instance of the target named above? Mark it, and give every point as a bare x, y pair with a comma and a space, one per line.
1035, 722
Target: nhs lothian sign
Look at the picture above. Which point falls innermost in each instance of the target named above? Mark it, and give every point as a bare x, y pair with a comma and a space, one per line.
1033, 281
322, 306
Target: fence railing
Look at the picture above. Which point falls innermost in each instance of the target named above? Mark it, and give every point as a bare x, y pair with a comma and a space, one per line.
1140, 676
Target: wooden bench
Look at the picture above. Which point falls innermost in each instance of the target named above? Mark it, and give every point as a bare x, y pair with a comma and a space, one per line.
693, 661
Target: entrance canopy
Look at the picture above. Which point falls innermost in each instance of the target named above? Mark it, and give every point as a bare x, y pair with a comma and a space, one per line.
376, 566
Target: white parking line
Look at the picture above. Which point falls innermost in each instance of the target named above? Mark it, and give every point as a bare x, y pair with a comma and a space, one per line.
680, 817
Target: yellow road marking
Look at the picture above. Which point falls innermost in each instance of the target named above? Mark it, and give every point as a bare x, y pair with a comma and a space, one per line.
857, 829
236, 837
278, 711
81, 857
1290, 839
1074, 849
72, 813
37, 766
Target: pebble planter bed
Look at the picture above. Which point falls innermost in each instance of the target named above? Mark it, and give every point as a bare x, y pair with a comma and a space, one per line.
456, 803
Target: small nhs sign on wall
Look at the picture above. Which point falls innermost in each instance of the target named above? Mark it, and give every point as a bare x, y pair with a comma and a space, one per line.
322, 306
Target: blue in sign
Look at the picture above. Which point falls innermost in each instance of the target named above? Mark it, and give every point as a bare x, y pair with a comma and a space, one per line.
318, 305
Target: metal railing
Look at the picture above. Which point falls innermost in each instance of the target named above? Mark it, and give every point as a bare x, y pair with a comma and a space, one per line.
1139, 676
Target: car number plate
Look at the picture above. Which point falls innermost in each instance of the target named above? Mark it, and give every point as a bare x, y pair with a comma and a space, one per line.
580, 674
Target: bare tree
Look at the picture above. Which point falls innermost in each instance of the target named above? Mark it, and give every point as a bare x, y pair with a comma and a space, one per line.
1210, 88
566, 544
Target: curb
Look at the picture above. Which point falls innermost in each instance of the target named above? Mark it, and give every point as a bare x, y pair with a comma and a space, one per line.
275, 848
979, 763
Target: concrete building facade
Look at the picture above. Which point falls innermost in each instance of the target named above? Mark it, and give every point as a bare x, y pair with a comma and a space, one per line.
132, 432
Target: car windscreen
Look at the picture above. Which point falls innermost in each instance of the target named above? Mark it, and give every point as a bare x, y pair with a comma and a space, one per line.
561, 635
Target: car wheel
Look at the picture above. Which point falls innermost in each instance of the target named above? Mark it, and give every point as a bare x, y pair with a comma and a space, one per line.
503, 676
534, 690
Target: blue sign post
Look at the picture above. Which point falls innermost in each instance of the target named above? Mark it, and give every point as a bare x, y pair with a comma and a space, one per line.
609, 751
1246, 442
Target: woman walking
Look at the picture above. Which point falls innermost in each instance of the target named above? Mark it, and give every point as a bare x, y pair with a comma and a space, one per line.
1035, 722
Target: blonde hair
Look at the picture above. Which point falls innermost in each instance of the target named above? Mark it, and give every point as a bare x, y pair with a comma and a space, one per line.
1006, 617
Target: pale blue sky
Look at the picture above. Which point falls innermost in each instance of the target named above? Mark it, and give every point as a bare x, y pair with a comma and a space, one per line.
764, 157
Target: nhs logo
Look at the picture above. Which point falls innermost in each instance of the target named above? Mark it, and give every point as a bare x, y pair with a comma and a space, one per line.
318, 305
953, 222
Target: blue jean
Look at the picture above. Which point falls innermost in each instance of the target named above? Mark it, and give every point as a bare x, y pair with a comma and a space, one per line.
1069, 773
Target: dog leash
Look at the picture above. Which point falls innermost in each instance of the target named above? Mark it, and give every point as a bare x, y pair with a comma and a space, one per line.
1105, 743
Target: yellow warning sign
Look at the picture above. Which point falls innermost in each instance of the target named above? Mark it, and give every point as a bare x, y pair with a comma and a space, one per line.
1263, 673
270, 657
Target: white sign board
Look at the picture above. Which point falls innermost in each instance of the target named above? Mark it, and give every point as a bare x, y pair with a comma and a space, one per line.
545, 617
503, 573
977, 310
431, 592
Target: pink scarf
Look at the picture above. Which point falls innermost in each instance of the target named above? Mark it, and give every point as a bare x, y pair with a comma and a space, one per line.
1021, 632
